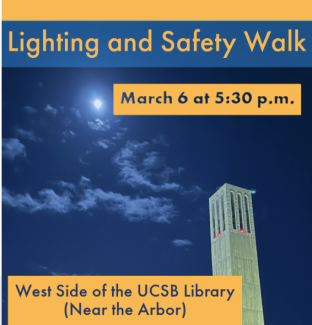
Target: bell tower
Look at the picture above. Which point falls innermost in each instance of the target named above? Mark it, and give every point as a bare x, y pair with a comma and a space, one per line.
233, 245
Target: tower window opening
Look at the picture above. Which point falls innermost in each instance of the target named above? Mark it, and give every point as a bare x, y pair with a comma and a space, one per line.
222, 212
213, 221
247, 214
240, 212
233, 210
218, 216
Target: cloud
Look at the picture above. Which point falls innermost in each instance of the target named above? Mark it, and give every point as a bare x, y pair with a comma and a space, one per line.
61, 273
48, 108
156, 209
47, 200
99, 125
81, 158
165, 174
70, 186
152, 160
161, 140
67, 121
12, 148
117, 136
83, 162
84, 198
84, 181
69, 133
30, 135
182, 242
117, 121
50, 271
30, 109
194, 192
76, 111
137, 167
104, 143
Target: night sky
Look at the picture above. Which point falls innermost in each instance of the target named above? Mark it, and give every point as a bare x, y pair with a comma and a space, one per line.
89, 193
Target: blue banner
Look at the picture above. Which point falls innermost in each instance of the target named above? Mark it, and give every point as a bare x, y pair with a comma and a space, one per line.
157, 44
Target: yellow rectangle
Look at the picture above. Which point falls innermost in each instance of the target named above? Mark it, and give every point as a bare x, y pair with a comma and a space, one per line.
156, 10
207, 99
201, 299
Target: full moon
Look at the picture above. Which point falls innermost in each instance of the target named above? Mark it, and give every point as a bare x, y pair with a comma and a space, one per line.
97, 104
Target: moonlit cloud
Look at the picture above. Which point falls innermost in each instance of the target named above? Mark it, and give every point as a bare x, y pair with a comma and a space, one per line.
84, 181
160, 140
194, 192
76, 111
30, 135
104, 143
30, 109
81, 158
52, 271
12, 148
48, 108
152, 160
182, 242
69, 133
70, 186
47, 200
137, 166
156, 209
82, 161
99, 125
67, 121
83, 197
117, 136
168, 172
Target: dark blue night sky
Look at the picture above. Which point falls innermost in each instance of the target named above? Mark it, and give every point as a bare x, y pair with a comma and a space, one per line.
89, 193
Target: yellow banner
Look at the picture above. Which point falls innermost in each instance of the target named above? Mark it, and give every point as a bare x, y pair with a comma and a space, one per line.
138, 300
207, 99
156, 10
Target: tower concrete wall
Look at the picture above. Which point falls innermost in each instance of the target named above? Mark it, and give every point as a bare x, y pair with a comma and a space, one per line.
233, 246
